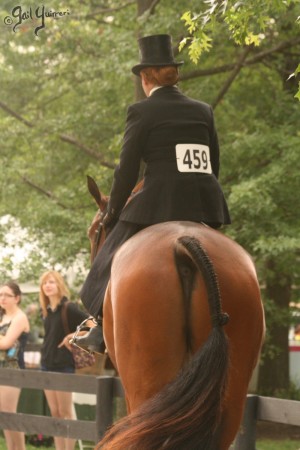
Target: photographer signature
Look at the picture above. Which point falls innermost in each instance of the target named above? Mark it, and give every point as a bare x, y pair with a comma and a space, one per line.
38, 14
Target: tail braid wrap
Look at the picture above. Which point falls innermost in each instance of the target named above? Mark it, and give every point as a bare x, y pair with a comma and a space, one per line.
205, 265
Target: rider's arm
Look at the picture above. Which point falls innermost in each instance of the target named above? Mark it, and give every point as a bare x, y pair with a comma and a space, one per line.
127, 172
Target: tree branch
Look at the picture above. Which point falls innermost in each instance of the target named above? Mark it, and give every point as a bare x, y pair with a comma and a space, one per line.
151, 8
43, 191
253, 60
87, 150
15, 115
106, 10
63, 137
231, 78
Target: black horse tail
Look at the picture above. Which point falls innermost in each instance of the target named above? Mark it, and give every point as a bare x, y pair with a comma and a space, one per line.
186, 413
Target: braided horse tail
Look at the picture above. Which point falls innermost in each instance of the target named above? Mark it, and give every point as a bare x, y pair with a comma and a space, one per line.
186, 413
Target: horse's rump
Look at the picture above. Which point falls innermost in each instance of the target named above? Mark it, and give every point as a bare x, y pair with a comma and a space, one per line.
151, 333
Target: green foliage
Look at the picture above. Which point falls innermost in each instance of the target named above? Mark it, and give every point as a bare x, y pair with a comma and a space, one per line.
200, 42
245, 20
297, 71
67, 89
63, 106
292, 393
247, 23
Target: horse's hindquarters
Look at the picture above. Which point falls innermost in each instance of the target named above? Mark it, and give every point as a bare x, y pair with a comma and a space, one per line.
146, 333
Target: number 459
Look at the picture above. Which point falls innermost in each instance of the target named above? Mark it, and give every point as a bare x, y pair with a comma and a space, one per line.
193, 158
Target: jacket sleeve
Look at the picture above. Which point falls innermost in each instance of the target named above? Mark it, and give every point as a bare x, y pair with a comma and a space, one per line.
127, 172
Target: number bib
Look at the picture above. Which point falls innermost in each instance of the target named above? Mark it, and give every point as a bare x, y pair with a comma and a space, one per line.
193, 158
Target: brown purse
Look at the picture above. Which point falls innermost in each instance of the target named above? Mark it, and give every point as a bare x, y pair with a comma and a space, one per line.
81, 357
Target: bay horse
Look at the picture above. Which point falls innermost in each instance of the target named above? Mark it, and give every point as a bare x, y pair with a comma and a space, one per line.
184, 369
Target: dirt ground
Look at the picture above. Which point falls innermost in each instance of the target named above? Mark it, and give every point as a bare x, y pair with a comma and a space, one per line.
269, 430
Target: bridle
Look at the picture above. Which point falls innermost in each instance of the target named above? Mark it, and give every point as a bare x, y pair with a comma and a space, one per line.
98, 234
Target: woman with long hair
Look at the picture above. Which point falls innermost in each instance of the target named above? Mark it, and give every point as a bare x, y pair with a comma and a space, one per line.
14, 329
56, 355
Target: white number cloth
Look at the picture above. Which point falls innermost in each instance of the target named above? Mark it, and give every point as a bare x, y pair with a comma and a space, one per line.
193, 158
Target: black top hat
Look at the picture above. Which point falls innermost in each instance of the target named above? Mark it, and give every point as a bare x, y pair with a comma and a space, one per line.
155, 50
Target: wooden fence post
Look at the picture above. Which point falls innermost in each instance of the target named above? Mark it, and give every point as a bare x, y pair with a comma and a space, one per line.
246, 437
104, 405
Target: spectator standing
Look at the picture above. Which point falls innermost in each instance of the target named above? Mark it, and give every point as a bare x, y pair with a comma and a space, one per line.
14, 330
56, 355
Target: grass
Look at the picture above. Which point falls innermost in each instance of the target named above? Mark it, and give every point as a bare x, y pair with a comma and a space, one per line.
268, 444
31, 447
261, 444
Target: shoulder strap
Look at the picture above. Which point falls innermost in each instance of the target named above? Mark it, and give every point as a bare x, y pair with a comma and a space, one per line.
64, 317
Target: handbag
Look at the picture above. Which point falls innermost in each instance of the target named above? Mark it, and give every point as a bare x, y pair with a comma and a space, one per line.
81, 357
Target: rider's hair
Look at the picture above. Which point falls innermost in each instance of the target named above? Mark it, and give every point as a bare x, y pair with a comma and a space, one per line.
162, 76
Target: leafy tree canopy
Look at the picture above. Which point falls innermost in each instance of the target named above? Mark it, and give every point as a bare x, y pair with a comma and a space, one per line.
247, 23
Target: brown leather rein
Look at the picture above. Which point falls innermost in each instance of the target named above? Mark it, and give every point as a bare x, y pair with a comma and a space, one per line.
98, 235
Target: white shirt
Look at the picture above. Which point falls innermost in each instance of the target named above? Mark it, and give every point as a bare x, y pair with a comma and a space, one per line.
154, 89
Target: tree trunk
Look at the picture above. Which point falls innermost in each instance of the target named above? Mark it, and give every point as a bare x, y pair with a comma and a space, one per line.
274, 370
142, 7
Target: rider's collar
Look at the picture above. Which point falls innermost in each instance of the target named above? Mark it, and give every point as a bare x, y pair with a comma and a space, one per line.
154, 89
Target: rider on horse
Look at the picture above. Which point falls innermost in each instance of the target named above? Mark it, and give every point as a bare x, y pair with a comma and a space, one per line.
176, 138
